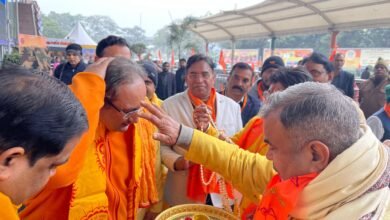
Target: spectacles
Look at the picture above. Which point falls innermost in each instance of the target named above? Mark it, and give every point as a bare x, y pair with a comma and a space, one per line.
203, 75
126, 115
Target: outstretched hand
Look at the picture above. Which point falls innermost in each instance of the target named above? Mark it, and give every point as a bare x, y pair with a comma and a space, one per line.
168, 129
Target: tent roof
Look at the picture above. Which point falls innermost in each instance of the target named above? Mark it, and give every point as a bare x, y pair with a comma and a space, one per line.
273, 18
80, 36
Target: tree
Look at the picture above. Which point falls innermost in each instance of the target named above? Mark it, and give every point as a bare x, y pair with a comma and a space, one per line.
51, 28
178, 32
57, 25
139, 49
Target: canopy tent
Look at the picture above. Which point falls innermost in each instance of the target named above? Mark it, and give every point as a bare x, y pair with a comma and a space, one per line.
273, 18
79, 35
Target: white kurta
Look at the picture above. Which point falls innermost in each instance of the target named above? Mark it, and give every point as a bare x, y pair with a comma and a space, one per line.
179, 107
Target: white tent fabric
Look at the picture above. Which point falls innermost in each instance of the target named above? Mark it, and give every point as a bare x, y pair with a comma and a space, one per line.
80, 36
273, 18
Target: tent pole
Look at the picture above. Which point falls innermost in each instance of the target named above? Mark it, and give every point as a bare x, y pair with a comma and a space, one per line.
333, 40
233, 51
273, 39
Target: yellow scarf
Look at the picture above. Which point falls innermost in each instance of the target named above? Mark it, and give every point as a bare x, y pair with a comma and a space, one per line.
155, 100
7, 209
89, 199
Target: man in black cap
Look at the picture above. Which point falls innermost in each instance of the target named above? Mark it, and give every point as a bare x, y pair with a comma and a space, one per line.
270, 66
66, 71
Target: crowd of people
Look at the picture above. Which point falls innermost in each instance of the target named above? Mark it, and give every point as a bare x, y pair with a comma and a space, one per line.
117, 139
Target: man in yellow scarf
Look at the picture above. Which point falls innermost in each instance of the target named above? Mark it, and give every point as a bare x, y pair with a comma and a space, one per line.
322, 173
41, 121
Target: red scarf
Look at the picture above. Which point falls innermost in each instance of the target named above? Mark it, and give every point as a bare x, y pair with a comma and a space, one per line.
195, 188
387, 109
260, 91
280, 197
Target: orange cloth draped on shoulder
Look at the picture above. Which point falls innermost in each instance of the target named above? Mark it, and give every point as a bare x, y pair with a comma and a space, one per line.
54, 200
280, 197
7, 209
195, 189
251, 138
260, 91
148, 188
387, 109
130, 169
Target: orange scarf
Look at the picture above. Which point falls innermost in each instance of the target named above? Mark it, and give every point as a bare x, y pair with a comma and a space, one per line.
244, 102
280, 197
260, 91
250, 135
195, 189
387, 109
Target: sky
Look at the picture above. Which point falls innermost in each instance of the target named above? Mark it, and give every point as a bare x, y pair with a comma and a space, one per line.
151, 15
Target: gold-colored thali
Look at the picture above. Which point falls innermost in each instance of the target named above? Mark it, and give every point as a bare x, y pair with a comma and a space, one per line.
195, 212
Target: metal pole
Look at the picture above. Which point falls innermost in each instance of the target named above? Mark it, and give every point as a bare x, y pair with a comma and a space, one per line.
17, 22
8, 29
233, 51
333, 40
273, 39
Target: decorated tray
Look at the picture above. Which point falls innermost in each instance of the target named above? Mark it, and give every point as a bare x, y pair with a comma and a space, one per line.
195, 212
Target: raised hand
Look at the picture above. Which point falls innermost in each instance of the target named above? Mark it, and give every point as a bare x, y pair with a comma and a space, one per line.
99, 67
168, 129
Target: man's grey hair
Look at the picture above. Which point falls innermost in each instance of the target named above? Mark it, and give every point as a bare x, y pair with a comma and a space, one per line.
316, 111
121, 71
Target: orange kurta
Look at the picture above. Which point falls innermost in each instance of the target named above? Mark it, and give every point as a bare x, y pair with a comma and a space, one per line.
7, 209
128, 156
54, 200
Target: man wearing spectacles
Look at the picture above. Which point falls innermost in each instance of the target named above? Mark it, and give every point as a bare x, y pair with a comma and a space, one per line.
66, 71
319, 67
123, 146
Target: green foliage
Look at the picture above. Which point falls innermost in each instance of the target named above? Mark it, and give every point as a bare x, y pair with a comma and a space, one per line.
139, 49
13, 58
57, 25
51, 28
177, 33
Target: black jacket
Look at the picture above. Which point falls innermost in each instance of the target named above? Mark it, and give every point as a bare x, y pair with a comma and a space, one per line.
166, 85
180, 80
345, 81
65, 71
251, 109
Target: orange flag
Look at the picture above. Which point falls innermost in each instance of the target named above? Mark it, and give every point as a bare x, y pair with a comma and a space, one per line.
333, 54
159, 56
172, 59
222, 61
